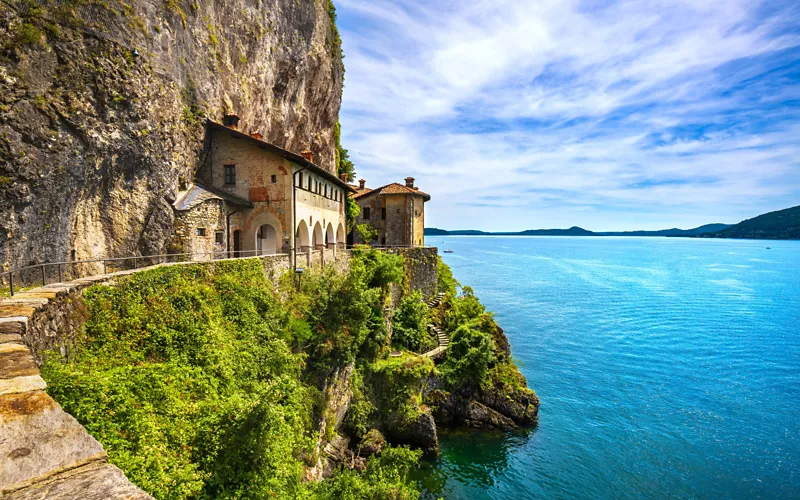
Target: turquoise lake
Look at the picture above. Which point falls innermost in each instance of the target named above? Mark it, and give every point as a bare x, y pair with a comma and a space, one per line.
667, 368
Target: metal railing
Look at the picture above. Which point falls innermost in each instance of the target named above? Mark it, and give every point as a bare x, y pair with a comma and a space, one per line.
73, 267
42, 272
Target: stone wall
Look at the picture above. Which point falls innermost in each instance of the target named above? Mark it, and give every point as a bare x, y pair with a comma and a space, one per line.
208, 216
421, 271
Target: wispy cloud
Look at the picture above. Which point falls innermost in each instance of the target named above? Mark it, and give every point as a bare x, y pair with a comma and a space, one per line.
609, 115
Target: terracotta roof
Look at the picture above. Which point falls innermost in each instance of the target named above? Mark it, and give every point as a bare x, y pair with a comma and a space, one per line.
282, 153
197, 194
393, 188
358, 191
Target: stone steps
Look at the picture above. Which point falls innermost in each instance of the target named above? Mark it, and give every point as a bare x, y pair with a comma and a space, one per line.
45, 452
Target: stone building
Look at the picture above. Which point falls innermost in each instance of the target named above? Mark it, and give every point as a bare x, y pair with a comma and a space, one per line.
254, 198
397, 211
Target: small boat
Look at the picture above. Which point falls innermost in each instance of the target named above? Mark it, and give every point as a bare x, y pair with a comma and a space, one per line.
447, 251
769, 248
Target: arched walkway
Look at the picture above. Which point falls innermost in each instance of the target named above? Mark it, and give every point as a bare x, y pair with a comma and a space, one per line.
317, 236
264, 235
301, 237
330, 237
340, 236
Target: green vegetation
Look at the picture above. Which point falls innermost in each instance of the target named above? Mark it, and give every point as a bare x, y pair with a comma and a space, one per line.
353, 211
208, 381
366, 232
202, 382
410, 323
343, 163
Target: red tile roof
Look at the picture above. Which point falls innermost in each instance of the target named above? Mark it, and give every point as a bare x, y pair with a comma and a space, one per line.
393, 188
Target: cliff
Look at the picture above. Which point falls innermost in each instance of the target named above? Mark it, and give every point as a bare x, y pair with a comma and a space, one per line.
102, 106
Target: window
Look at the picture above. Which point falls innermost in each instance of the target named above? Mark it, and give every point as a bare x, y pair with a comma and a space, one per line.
326, 191
201, 231
383, 213
366, 213
309, 183
219, 237
230, 174
274, 179
300, 179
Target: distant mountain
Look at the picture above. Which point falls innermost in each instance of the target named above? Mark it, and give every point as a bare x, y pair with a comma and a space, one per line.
779, 225
577, 231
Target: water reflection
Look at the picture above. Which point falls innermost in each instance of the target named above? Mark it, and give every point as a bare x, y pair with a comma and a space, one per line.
476, 458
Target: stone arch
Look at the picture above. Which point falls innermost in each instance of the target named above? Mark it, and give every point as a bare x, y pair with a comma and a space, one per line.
301, 237
340, 235
266, 233
317, 238
330, 236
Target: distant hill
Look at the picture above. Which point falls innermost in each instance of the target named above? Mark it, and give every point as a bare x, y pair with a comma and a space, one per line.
577, 231
779, 225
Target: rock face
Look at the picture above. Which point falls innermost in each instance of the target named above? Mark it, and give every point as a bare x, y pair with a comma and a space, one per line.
102, 107
421, 433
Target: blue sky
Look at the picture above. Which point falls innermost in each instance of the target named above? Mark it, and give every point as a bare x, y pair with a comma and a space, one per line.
624, 115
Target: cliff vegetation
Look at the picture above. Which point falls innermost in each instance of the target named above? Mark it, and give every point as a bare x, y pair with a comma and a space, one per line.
214, 382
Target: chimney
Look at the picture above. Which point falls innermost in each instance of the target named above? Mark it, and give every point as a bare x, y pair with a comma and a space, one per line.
231, 121
343, 177
410, 182
308, 155
256, 135
361, 183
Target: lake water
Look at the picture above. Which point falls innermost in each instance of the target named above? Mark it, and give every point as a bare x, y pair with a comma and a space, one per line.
667, 368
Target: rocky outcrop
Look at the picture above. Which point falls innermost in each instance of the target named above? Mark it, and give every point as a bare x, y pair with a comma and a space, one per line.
102, 106
372, 443
330, 451
519, 405
419, 433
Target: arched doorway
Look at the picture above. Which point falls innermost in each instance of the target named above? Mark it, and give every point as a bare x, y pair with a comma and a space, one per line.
330, 237
318, 240
301, 237
267, 241
237, 243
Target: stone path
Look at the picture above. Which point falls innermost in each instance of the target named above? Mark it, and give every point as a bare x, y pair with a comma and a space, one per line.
44, 451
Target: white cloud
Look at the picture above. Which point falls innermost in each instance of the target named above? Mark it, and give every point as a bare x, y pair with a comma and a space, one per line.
570, 114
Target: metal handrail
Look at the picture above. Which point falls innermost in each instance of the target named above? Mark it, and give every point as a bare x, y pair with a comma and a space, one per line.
105, 260
136, 258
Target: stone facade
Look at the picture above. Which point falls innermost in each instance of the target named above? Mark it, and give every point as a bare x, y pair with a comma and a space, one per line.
201, 231
396, 211
268, 196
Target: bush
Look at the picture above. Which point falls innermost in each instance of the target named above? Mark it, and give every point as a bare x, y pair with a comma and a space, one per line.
410, 322
446, 282
380, 268
386, 477
469, 357
186, 376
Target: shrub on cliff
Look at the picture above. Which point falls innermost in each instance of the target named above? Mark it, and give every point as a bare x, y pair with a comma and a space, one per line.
446, 282
469, 357
410, 322
386, 477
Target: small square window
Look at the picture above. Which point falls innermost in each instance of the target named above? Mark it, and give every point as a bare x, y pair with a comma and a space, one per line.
366, 213
219, 237
274, 179
230, 175
201, 231
383, 213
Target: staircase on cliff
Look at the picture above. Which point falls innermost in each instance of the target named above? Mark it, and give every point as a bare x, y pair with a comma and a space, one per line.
444, 340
